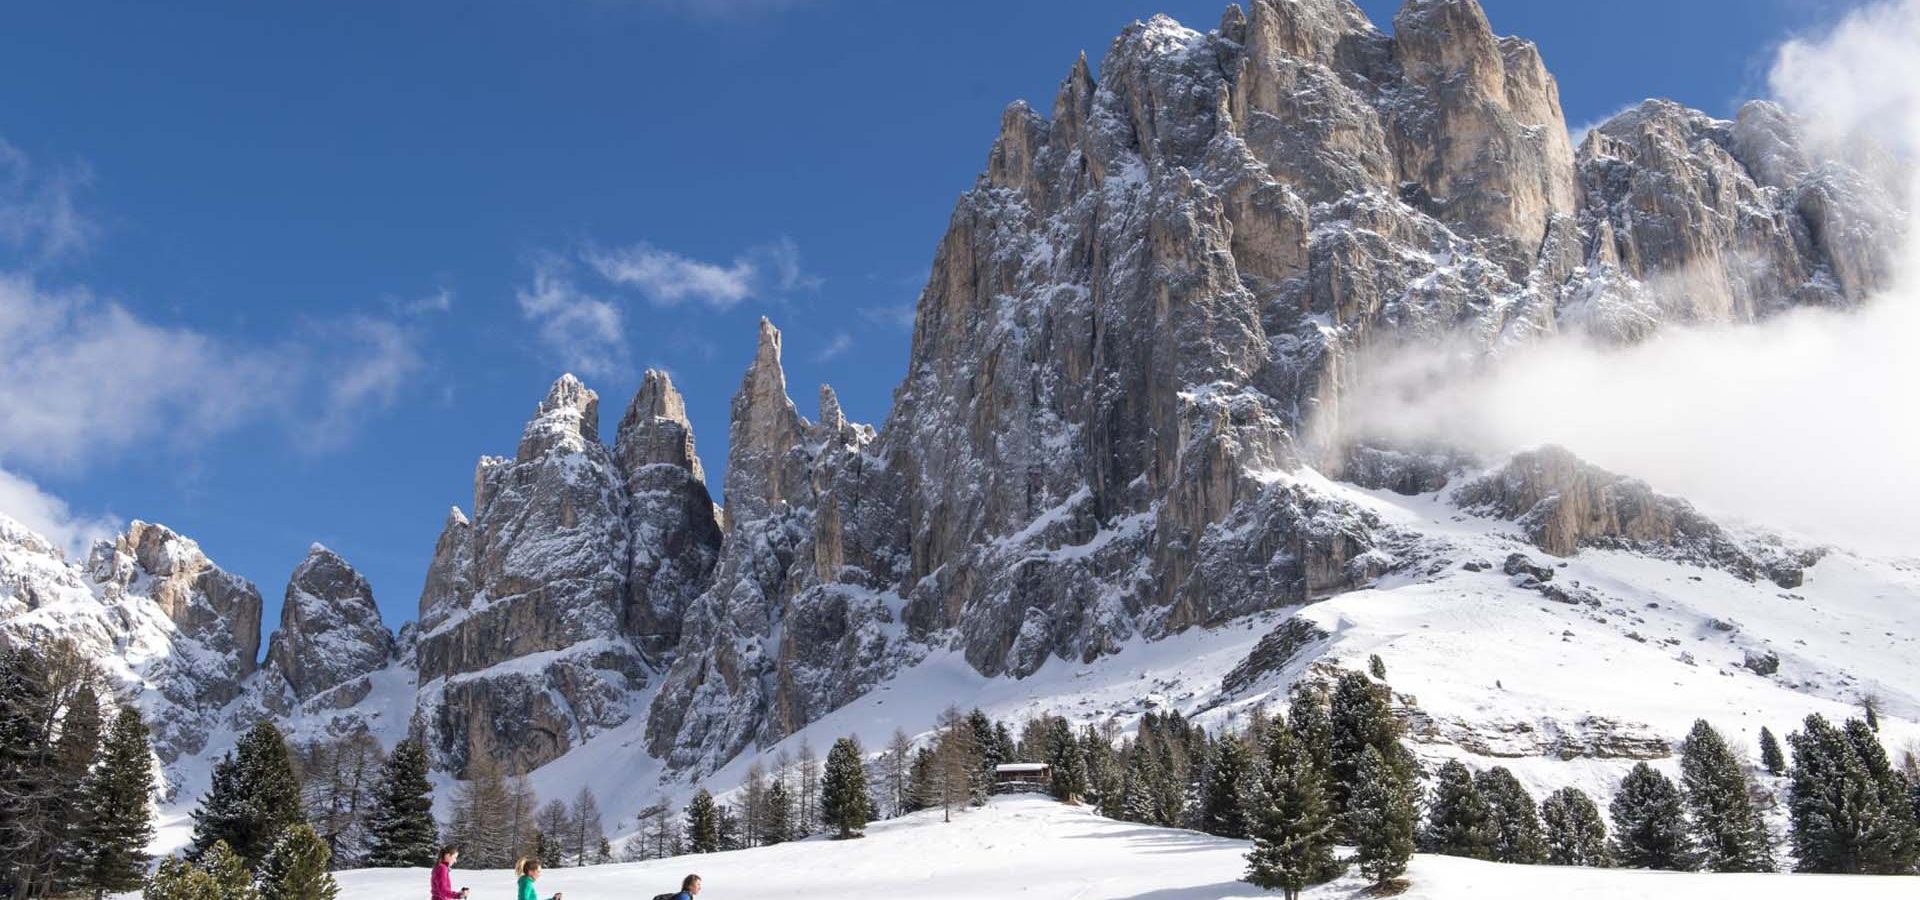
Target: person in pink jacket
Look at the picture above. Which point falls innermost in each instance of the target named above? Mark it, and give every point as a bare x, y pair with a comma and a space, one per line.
443, 876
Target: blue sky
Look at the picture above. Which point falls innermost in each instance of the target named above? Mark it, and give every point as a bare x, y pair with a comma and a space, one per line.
279, 273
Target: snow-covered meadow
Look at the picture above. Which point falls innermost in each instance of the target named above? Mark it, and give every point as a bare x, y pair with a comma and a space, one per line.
1035, 848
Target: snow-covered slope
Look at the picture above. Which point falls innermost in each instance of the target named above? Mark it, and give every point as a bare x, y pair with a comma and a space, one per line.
1035, 848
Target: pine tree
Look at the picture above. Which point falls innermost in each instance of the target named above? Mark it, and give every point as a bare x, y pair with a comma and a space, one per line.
1309, 721
774, 825
923, 788
1575, 835
178, 879
296, 867
1103, 772
1377, 667
230, 872
1516, 821
843, 795
401, 829
1288, 818
73, 756
1840, 812
703, 824
1361, 718
111, 841
1067, 763
1770, 755
1139, 799
1459, 821
1650, 823
1227, 779
1729, 831
1380, 816
255, 795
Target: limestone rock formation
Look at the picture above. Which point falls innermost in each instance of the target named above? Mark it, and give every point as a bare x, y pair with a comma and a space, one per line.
330, 633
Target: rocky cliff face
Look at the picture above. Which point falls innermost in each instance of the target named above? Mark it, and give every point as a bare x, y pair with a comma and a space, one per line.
170, 629
1143, 316
330, 634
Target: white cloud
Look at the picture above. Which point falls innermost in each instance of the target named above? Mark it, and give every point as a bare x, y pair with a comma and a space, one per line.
838, 345
666, 278
82, 378
38, 216
583, 332
363, 367
50, 517
1805, 421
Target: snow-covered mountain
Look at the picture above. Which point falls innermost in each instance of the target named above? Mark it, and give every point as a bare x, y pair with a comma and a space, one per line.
1117, 473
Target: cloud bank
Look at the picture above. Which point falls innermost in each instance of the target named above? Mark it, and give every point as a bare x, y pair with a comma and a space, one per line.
1805, 422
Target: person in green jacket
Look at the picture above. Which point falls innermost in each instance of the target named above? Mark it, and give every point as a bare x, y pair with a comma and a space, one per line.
528, 869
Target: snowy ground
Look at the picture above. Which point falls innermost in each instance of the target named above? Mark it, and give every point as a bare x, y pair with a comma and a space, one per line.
1035, 848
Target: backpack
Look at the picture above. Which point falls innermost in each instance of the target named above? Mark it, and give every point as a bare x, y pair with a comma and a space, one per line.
667, 896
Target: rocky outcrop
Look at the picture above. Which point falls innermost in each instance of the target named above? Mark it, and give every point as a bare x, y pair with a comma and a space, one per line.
1564, 504
675, 534
171, 631
524, 650
330, 632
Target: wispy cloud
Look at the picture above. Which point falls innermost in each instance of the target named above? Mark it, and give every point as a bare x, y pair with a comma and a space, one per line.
368, 363
836, 346
899, 315
50, 517
666, 278
582, 332
38, 214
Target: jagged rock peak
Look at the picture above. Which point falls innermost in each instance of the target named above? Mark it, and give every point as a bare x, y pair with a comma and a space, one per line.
765, 428
656, 430
330, 630
567, 420
831, 417
204, 600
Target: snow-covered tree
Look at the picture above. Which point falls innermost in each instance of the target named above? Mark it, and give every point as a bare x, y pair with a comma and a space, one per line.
1650, 823
401, 830
1227, 776
1361, 718
1288, 818
1574, 832
255, 796
296, 867
774, 823
1844, 819
1516, 821
1380, 816
1727, 828
1459, 822
110, 846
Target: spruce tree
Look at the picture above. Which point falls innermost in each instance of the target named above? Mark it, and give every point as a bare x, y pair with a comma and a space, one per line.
1103, 772
1377, 667
178, 879
1140, 800
1220, 798
1288, 818
1770, 755
402, 831
1066, 763
843, 793
110, 853
1842, 820
1459, 821
703, 824
1516, 821
774, 822
1731, 836
1380, 816
1650, 823
296, 867
229, 872
255, 795
1575, 835
1361, 719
